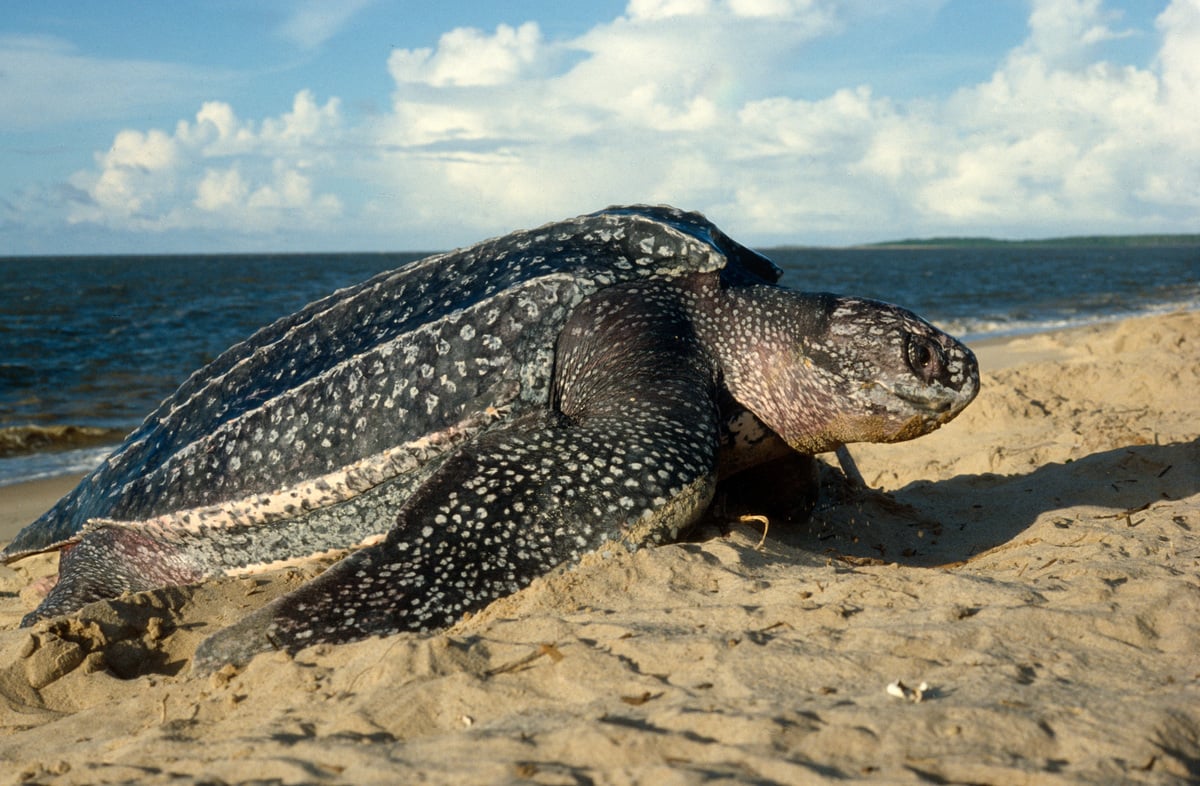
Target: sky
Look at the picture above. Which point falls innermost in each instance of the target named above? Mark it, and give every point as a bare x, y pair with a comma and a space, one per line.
357, 125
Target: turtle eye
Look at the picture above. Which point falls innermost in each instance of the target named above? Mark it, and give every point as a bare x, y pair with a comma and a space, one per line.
924, 357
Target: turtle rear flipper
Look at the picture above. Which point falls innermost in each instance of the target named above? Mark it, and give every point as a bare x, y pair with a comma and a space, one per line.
113, 559
626, 455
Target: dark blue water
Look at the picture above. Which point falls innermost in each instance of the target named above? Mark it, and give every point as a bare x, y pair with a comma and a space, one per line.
99, 341
1003, 290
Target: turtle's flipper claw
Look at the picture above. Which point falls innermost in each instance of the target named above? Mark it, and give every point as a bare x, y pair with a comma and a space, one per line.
279, 625
237, 644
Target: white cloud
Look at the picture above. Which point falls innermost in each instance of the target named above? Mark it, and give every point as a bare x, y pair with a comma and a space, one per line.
220, 190
666, 9
624, 112
313, 22
671, 9
1063, 32
215, 172
1053, 140
467, 57
149, 152
681, 101
1179, 61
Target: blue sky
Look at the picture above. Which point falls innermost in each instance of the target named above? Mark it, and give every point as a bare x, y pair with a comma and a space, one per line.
371, 125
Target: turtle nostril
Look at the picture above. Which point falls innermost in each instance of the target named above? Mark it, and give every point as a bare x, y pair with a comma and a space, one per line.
924, 357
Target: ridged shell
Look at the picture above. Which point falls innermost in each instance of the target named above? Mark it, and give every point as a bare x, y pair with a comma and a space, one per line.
380, 379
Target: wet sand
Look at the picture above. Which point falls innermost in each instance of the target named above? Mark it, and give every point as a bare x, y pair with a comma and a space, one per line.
21, 503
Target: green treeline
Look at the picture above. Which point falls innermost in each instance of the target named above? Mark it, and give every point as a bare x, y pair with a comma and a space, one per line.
1099, 241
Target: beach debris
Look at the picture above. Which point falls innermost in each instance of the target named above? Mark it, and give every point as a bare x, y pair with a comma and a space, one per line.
544, 650
640, 699
916, 695
757, 519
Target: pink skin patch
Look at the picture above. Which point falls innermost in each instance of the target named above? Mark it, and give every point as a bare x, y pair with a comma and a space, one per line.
41, 587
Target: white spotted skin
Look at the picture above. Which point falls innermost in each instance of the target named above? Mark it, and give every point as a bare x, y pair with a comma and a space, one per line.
477, 419
404, 355
822, 370
626, 454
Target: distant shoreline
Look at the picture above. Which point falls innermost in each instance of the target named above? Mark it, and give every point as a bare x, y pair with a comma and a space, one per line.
1078, 241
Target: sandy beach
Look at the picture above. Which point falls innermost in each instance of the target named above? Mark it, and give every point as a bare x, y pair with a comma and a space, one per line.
1026, 581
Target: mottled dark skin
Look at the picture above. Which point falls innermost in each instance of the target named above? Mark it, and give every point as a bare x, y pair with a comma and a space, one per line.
657, 356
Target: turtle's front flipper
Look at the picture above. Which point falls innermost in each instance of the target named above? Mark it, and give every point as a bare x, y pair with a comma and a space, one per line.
627, 454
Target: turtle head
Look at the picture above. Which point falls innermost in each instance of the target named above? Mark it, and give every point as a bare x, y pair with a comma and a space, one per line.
822, 370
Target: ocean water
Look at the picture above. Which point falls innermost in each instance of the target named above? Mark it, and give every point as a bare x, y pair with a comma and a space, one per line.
99, 341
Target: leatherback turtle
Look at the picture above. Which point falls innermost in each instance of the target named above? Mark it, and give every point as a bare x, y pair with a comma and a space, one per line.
474, 419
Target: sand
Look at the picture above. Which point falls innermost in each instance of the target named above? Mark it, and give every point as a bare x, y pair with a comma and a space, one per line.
1035, 564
